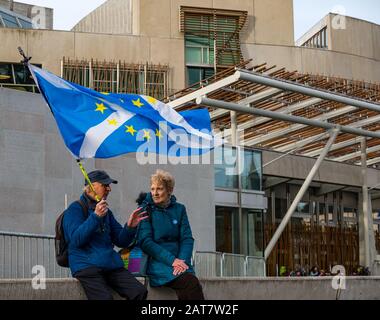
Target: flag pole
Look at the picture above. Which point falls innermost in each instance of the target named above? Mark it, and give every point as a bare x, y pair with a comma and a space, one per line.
25, 62
87, 179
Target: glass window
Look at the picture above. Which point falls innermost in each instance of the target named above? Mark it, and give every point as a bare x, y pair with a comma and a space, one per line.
303, 208
196, 74
281, 208
254, 232
25, 24
193, 55
251, 175
322, 214
22, 74
9, 20
225, 167
6, 75
330, 215
227, 229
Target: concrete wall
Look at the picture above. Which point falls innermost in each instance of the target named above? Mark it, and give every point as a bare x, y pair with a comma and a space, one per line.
140, 49
113, 16
37, 171
160, 18
354, 36
303, 288
49, 47
315, 61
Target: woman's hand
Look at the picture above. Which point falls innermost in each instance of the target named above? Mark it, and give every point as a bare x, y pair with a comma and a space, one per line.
136, 217
179, 266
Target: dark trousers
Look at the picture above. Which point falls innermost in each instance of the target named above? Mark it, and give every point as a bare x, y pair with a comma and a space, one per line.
97, 282
187, 287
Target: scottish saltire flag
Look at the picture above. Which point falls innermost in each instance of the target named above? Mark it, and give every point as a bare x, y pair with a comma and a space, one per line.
102, 125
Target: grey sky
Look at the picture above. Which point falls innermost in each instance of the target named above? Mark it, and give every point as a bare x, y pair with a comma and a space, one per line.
306, 12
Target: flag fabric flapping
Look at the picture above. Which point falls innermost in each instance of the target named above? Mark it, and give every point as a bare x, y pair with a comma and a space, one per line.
105, 125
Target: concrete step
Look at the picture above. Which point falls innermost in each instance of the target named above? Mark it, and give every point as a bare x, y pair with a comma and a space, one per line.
269, 288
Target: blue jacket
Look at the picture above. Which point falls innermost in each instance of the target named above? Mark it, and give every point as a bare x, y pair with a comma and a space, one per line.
166, 235
91, 238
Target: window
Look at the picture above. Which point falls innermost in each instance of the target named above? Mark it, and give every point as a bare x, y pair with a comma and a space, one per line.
251, 175
10, 21
17, 76
227, 229
319, 40
25, 24
281, 208
253, 232
350, 217
119, 77
197, 74
199, 50
225, 167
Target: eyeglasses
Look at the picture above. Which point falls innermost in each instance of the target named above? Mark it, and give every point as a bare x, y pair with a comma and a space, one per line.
105, 186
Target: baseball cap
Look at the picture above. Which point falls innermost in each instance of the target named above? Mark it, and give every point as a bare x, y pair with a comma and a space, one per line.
100, 176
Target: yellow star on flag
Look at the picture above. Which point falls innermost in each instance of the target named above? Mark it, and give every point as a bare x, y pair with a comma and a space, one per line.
100, 107
105, 93
147, 135
158, 134
130, 130
137, 103
112, 122
152, 100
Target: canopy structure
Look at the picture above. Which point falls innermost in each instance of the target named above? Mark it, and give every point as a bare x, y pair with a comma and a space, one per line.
324, 102
289, 112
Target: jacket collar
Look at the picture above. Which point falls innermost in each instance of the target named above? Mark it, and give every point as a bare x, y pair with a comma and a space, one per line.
88, 201
149, 200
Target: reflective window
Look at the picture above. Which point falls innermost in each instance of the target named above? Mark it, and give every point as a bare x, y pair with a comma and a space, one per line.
227, 229
253, 222
10, 21
197, 74
17, 76
6, 75
225, 167
25, 24
251, 175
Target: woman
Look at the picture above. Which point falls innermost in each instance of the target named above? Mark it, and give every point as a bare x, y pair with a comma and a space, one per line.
166, 237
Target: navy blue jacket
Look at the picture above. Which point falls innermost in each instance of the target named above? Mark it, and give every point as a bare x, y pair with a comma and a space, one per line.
165, 236
91, 238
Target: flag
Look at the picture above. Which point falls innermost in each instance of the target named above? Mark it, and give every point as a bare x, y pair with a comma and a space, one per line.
105, 125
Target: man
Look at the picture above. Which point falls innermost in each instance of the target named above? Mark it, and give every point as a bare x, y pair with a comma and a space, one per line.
91, 238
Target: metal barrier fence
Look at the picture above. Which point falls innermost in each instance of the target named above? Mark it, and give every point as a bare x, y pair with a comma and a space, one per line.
21, 252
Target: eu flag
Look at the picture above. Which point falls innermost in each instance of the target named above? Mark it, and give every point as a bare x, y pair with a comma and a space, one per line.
103, 125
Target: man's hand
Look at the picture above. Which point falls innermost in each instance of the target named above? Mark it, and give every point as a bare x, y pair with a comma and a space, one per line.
136, 217
101, 208
179, 266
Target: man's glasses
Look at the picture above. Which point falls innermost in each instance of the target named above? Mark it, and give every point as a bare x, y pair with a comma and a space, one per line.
105, 186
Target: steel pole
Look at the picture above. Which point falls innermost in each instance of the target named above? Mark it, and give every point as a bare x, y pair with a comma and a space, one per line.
309, 91
284, 117
363, 147
333, 134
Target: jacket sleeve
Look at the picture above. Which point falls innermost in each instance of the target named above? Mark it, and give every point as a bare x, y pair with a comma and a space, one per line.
77, 229
121, 236
186, 240
149, 246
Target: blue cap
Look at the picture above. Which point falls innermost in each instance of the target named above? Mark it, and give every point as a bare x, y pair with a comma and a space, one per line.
100, 176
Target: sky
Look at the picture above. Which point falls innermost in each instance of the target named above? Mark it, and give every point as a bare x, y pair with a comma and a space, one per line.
306, 12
